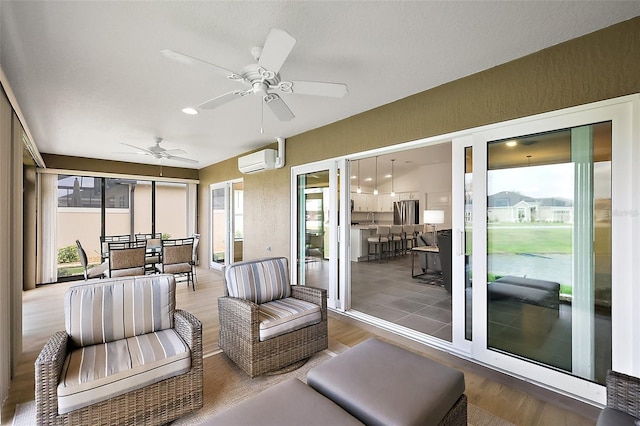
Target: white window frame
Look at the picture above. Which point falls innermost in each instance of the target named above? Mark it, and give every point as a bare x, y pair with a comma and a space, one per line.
623, 113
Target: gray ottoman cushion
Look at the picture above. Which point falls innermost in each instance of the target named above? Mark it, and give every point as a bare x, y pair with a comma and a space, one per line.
612, 417
382, 384
288, 403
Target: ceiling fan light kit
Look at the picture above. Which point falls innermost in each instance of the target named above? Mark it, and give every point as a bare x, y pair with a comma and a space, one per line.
160, 153
263, 78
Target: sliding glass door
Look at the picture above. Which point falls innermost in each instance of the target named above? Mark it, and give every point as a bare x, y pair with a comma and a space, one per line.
227, 233
549, 248
535, 206
317, 205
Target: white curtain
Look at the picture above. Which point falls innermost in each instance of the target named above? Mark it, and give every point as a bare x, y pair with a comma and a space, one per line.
48, 271
192, 208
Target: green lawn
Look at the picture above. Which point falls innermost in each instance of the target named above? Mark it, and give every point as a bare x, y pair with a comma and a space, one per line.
544, 239
527, 238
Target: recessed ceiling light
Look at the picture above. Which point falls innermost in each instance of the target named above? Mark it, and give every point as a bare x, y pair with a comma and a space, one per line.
354, 176
368, 179
190, 111
512, 143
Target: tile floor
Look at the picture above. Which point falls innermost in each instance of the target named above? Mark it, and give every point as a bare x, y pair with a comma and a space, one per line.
386, 290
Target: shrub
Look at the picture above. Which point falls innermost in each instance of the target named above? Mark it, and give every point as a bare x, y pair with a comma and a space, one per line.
68, 254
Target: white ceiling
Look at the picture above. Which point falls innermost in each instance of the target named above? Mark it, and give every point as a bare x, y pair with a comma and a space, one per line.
88, 75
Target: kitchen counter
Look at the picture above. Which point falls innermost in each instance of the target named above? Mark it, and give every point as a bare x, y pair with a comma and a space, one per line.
359, 243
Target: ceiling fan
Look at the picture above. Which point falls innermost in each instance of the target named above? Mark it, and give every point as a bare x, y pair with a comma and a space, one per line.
160, 153
263, 77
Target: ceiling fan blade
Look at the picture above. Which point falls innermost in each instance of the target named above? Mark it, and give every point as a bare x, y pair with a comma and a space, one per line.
185, 160
190, 60
144, 151
317, 88
276, 49
174, 151
221, 100
278, 107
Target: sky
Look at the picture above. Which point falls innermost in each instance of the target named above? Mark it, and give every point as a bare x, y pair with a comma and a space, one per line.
553, 180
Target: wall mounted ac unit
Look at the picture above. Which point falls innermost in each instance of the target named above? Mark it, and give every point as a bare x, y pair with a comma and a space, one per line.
267, 159
258, 161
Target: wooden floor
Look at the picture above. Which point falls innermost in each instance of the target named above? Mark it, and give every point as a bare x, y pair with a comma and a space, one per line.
511, 399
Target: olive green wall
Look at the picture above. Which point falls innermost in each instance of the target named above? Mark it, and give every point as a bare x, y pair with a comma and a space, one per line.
64, 162
597, 66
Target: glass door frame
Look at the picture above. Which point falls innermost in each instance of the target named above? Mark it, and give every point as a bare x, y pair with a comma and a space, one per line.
227, 186
624, 343
458, 246
339, 266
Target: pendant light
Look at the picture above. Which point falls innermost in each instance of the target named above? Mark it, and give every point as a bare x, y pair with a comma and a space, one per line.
393, 193
359, 189
375, 190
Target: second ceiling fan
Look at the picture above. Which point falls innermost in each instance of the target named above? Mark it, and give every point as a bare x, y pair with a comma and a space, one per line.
263, 78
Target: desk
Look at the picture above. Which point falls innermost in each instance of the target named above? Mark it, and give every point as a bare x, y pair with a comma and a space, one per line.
421, 250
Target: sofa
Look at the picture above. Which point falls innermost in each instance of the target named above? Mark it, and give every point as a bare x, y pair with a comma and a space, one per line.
126, 356
536, 304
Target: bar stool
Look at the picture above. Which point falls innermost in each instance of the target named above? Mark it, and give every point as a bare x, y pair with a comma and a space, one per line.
396, 243
379, 240
408, 241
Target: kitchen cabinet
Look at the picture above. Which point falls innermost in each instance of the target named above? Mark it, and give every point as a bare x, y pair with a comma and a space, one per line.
363, 202
385, 202
409, 196
373, 203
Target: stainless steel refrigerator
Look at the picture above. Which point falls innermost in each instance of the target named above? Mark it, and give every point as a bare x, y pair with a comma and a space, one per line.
406, 212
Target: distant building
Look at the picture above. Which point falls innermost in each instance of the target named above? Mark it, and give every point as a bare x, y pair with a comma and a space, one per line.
513, 207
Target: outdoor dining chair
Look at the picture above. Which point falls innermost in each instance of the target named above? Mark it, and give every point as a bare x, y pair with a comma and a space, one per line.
127, 258
177, 256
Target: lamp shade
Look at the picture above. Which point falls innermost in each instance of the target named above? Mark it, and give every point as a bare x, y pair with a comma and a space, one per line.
433, 216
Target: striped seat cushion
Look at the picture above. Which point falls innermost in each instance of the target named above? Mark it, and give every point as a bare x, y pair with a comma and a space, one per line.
286, 315
115, 309
99, 372
259, 281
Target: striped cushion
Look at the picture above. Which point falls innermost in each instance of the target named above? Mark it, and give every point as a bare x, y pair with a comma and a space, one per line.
115, 309
260, 280
99, 372
285, 315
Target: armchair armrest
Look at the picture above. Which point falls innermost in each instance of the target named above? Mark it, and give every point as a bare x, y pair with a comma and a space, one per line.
314, 295
190, 329
240, 317
623, 393
48, 366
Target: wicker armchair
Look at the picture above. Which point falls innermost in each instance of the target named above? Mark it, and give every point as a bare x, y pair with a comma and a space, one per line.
266, 323
623, 401
151, 391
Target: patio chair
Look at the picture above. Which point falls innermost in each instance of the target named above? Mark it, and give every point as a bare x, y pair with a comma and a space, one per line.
266, 323
154, 251
623, 401
127, 258
177, 255
98, 271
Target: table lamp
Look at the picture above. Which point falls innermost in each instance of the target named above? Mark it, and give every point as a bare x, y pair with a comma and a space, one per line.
434, 217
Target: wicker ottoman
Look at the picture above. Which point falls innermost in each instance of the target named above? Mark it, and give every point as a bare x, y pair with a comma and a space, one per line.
288, 403
382, 384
